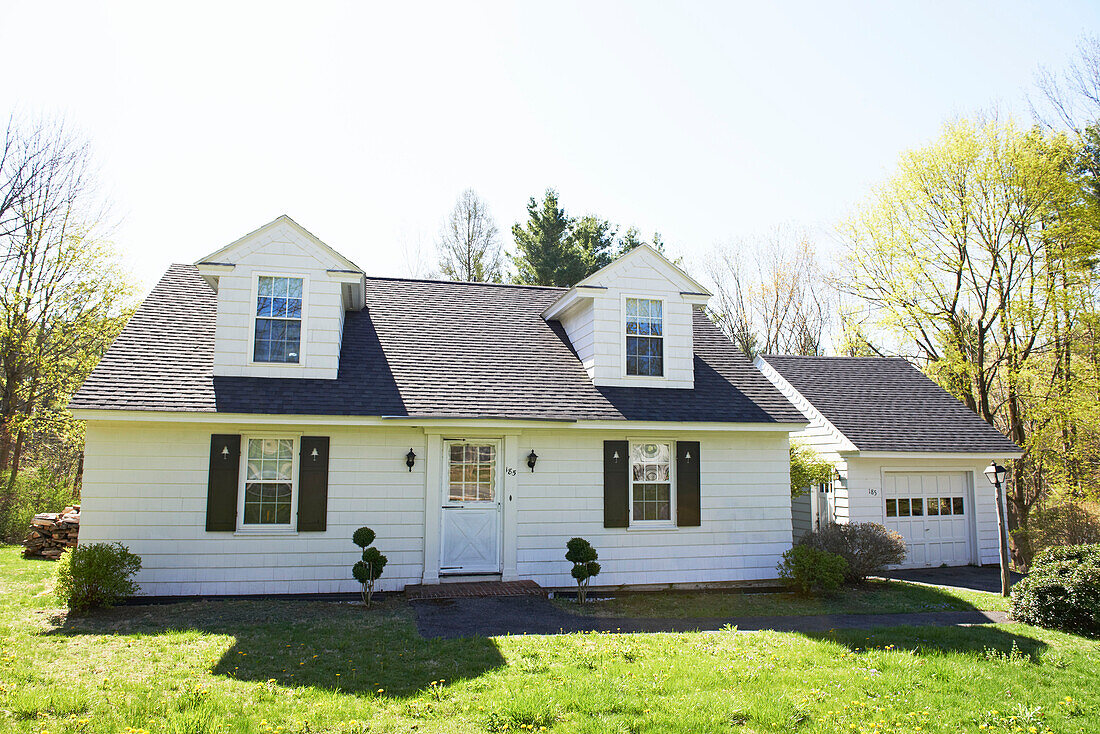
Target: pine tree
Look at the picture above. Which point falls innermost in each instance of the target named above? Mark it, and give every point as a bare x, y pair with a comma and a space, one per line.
593, 239
545, 254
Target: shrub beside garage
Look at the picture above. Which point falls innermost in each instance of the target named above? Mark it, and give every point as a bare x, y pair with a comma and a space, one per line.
1062, 591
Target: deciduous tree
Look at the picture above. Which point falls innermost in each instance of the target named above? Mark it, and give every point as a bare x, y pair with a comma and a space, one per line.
63, 294
468, 245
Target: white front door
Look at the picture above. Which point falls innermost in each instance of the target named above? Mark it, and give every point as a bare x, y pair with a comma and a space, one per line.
932, 512
470, 527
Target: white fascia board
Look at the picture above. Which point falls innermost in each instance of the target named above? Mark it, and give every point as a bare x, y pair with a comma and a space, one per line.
678, 277
343, 420
354, 288
220, 255
568, 300
945, 455
211, 272
803, 405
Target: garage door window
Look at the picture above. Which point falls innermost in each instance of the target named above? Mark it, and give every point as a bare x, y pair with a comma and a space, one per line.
906, 507
946, 506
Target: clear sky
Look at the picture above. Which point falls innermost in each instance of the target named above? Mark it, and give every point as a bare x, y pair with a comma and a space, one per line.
706, 121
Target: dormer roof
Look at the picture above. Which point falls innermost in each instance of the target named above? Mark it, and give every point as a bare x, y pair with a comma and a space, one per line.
692, 291
337, 266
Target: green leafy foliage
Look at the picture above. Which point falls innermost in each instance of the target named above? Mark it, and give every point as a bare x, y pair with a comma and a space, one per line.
363, 537
1061, 524
866, 547
96, 575
808, 569
553, 248
368, 569
1062, 591
808, 468
583, 556
544, 255
36, 490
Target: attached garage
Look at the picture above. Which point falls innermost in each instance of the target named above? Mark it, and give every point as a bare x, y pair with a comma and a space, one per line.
933, 511
908, 455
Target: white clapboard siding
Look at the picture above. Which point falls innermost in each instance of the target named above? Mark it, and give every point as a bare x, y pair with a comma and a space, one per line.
280, 249
744, 503
145, 485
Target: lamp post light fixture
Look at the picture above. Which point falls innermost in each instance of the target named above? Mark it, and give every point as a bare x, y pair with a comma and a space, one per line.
531, 459
410, 459
996, 474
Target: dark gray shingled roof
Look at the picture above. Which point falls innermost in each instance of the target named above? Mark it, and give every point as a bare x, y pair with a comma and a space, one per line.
420, 349
888, 405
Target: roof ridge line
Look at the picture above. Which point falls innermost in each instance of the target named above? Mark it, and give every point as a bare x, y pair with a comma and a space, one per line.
465, 282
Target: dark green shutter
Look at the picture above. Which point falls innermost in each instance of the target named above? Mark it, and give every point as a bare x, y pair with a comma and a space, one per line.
313, 483
687, 483
221, 486
616, 484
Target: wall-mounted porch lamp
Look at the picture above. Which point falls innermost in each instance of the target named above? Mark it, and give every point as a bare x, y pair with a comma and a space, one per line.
996, 475
410, 459
531, 459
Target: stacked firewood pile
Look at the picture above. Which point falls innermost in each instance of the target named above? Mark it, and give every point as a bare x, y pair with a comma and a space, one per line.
52, 532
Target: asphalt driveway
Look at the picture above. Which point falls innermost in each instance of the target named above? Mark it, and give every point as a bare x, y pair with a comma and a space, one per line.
533, 615
975, 578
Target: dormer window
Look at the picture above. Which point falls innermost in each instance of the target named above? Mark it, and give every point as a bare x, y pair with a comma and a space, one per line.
278, 320
644, 337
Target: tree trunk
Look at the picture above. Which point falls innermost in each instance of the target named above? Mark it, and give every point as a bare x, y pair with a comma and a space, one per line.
78, 476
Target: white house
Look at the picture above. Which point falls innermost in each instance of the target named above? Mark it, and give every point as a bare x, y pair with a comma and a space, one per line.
268, 400
907, 455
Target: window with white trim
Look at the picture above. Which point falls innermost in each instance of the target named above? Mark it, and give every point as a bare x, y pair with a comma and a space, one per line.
645, 337
278, 320
650, 481
268, 486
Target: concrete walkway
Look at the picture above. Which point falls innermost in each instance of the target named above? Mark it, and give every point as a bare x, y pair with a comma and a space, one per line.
528, 615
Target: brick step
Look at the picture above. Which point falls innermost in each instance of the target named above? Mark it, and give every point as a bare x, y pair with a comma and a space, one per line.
473, 589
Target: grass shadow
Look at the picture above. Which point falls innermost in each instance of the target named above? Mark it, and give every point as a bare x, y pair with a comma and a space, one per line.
984, 642
870, 597
337, 646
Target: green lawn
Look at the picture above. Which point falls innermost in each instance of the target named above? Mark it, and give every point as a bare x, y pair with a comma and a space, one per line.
325, 667
873, 597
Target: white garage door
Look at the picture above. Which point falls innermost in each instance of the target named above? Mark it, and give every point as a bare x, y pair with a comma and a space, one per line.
932, 512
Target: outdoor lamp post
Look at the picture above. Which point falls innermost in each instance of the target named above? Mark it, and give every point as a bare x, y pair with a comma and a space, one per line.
996, 474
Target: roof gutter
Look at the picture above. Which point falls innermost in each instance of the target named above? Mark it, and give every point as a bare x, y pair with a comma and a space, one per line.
977, 455
283, 419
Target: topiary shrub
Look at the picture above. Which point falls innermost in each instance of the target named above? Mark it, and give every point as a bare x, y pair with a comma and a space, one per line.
1062, 591
368, 569
96, 575
867, 547
583, 557
807, 569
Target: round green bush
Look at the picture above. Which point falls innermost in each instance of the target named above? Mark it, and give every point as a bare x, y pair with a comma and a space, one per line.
809, 569
371, 566
363, 537
96, 575
1062, 591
